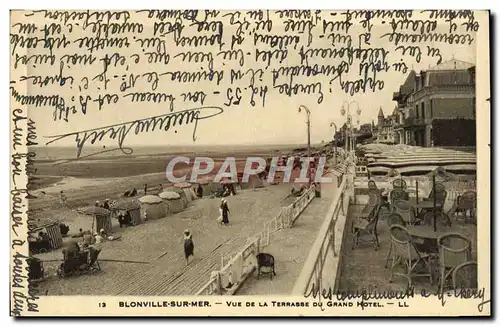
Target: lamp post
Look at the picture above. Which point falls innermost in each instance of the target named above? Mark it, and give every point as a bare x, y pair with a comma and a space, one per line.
302, 107
345, 111
335, 140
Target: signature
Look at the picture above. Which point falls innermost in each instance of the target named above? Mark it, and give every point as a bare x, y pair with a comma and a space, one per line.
119, 132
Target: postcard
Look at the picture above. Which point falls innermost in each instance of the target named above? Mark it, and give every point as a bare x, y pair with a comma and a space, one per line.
250, 163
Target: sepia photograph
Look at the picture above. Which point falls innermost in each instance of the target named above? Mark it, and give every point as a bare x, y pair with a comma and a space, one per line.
331, 159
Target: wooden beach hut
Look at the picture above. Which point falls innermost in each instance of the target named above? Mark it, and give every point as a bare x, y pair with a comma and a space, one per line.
153, 206
187, 189
133, 208
49, 227
172, 202
101, 218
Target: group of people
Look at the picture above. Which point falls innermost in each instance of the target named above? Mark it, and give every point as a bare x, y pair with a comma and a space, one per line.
105, 205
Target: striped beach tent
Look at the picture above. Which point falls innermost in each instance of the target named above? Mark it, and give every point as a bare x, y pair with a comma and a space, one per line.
51, 227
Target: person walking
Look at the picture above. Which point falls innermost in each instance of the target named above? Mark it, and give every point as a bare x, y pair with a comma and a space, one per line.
63, 199
188, 245
225, 211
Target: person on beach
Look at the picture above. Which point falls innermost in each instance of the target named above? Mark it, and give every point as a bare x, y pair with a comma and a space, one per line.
188, 245
145, 189
62, 199
97, 204
106, 204
199, 191
225, 211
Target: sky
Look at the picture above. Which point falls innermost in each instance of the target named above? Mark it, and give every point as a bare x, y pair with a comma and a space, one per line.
279, 122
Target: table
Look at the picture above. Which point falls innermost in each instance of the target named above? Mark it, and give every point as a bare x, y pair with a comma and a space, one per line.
428, 237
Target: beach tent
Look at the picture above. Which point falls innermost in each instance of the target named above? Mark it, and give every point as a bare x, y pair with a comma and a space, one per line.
187, 189
152, 206
133, 208
253, 182
181, 193
101, 218
52, 229
172, 202
230, 184
205, 185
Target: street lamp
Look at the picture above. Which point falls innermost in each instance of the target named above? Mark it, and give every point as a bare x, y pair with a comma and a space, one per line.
343, 111
335, 140
308, 128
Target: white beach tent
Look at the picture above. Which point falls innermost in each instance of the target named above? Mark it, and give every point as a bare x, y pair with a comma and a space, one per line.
187, 189
172, 202
152, 206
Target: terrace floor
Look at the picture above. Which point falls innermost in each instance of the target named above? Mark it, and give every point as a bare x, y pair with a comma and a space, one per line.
290, 248
364, 268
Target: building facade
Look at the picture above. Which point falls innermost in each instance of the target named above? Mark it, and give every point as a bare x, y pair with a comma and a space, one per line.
385, 127
437, 107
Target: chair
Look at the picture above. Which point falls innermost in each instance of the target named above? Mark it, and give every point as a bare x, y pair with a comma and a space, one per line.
466, 204
393, 219
367, 226
36, 270
404, 209
265, 261
454, 249
372, 203
442, 218
404, 251
398, 194
399, 184
465, 276
93, 259
372, 184
440, 195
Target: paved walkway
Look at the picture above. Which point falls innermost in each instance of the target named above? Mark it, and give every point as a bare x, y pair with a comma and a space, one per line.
290, 248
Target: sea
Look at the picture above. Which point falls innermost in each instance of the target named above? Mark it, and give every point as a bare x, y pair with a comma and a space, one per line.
51, 153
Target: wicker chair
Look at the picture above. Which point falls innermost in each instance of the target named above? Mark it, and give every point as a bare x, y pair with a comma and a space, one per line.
372, 203
440, 195
404, 251
398, 194
466, 204
465, 276
442, 218
372, 184
399, 184
404, 209
454, 250
366, 226
393, 219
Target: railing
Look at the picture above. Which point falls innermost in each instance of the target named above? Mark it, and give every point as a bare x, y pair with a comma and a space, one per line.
242, 264
312, 272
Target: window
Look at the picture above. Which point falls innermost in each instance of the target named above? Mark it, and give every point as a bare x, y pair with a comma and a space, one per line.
423, 110
432, 104
417, 113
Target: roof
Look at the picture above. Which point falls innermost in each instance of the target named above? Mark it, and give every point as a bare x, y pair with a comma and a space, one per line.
452, 64
380, 112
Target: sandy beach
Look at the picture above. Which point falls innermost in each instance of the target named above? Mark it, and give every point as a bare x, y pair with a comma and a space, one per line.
249, 210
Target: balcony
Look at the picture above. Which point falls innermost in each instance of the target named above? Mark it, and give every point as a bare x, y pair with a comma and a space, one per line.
412, 122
